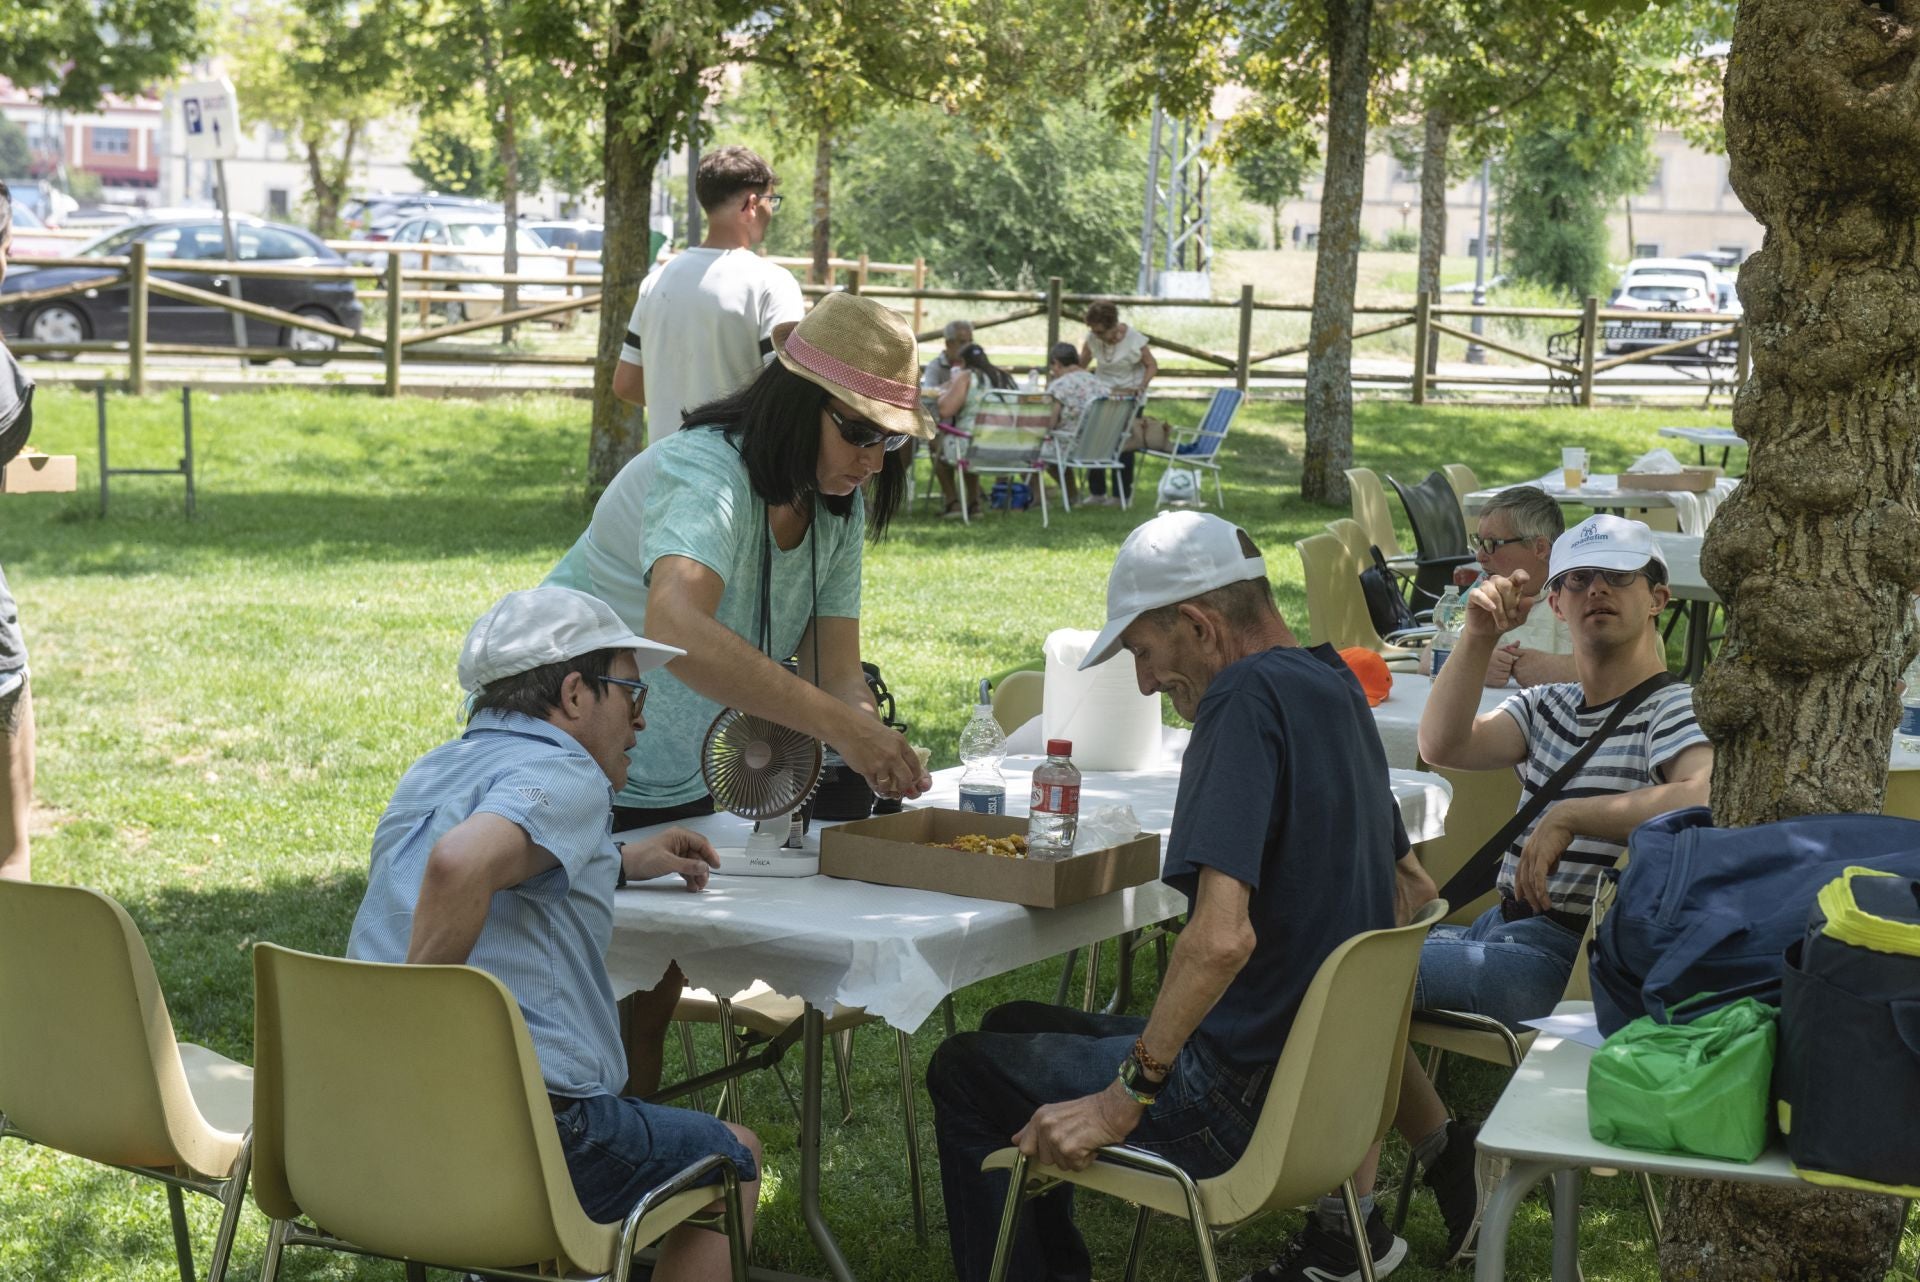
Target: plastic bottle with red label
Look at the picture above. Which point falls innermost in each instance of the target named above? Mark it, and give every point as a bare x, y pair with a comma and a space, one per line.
1053, 810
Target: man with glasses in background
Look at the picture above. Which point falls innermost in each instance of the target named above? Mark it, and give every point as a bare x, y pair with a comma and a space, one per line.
497, 851
707, 319
1515, 530
1607, 581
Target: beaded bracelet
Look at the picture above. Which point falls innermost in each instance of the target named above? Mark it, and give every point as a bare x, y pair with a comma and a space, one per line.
1147, 1061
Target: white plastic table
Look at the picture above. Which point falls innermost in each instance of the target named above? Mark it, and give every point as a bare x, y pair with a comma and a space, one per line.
892, 951
1722, 438
1602, 493
1540, 1126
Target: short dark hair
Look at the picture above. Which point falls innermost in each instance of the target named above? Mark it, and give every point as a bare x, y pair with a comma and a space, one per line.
536, 692
6, 210
774, 421
1101, 315
1064, 354
725, 173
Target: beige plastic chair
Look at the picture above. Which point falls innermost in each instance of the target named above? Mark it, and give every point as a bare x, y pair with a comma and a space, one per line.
1371, 513
1336, 606
1483, 800
1331, 1098
402, 1108
1016, 700
769, 1015
1464, 482
89, 1064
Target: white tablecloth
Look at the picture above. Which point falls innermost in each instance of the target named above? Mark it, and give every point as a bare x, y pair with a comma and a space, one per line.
1399, 717
893, 951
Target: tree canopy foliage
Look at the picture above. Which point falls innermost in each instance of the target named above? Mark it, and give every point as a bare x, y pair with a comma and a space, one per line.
71, 53
1557, 184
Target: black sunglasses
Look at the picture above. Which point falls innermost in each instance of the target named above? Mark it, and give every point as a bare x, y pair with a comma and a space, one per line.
1581, 580
859, 433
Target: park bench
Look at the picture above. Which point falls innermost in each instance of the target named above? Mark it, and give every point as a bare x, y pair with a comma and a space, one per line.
1714, 362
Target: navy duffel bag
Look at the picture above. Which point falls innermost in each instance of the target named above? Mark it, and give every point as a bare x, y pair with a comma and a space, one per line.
1700, 909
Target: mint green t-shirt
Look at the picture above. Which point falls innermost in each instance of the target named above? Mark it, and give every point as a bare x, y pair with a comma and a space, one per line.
688, 495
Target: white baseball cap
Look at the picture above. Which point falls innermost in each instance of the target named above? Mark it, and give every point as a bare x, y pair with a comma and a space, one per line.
531, 629
1604, 543
1172, 558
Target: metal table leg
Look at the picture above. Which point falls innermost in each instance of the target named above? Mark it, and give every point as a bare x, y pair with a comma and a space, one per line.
813, 1041
1490, 1262
1566, 1225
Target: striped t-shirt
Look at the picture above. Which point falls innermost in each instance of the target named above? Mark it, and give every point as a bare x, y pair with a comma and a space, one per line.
1557, 721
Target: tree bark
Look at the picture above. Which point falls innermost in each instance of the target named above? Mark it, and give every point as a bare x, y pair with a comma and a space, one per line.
1330, 352
1817, 554
823, 204
1433, 212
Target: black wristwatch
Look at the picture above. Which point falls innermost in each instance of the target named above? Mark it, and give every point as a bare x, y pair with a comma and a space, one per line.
1135, 1082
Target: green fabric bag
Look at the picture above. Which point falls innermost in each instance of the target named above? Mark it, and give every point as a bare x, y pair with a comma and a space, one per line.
1701, 1088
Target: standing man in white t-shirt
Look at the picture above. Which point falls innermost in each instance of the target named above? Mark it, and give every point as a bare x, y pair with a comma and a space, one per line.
708, 318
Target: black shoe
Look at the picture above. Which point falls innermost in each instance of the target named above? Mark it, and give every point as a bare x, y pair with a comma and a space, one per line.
1321, 1255
1460, 1188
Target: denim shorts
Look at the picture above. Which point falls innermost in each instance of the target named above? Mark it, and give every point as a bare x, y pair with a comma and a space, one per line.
619, 1148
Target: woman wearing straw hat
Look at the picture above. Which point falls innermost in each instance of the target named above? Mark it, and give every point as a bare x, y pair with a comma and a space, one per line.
737, 539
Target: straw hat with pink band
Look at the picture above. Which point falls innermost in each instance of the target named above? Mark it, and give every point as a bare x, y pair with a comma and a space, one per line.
866, 355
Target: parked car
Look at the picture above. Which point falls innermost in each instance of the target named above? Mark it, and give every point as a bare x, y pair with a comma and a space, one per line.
26, 244
575, 234
376, 216
449, 234
102, 313
1702, 273
1724, 259
1658, 293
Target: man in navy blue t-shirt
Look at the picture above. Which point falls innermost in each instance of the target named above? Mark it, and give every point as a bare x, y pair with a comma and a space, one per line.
1287, 842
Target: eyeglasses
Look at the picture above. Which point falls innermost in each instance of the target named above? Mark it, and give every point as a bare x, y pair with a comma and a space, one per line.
859, 433
636, 691
771, 199
1487, 547
1581, 580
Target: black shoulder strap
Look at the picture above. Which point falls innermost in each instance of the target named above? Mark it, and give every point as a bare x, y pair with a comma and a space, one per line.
1477, 876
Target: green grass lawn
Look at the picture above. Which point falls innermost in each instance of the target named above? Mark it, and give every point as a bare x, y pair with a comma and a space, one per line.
225, 704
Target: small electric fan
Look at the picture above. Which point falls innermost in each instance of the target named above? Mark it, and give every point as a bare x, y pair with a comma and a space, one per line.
764, 772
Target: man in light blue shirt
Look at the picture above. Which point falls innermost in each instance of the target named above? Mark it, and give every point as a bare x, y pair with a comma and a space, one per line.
497, 851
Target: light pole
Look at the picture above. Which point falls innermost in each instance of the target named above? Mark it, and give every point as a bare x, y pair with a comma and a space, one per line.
1476, 354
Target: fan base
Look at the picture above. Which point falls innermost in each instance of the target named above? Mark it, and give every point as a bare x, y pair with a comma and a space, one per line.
743, 861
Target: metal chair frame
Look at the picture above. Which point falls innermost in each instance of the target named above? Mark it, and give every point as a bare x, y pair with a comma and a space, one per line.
1203, 442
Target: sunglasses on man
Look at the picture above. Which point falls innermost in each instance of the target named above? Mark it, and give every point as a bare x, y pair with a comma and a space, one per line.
859, 433
1581, 580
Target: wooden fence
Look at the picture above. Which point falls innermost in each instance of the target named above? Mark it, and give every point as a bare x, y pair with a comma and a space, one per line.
400, 284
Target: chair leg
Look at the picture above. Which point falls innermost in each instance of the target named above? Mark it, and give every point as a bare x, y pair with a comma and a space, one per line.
909, 1111
842, 1068
232, 1197
1138, 1243
1218, 492
182, 1244
276, 1246
416, 1271
1090, 992
1651, 1200
946, 1013
729, 1055
1040, 484
1357, 1226
1066, 980
1009, 1220
686, 1056
960, 483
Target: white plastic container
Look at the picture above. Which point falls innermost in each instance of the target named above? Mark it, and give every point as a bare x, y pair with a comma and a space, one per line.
1112, 725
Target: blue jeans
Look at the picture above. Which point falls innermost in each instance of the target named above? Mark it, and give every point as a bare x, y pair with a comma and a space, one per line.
986, 1086
619, 1148
1510, 970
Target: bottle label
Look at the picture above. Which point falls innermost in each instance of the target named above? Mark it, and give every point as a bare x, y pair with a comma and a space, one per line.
1055, 798
1440, 660
984, 801
1910, 719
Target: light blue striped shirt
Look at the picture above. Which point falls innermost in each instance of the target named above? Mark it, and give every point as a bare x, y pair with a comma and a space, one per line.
546, 938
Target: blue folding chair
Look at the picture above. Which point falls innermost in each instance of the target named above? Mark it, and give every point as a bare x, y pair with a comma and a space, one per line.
1195, 448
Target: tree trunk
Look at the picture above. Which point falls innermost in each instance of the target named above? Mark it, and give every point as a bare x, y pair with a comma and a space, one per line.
1330, 354
510, 202
1433, 212
823, 205
1274, 210
1818, 552
629, 160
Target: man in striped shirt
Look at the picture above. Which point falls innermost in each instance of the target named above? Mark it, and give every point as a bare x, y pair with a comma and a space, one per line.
1607, 581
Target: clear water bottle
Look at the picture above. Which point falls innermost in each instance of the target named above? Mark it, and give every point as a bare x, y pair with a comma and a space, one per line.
1447, 612
1908, 737
983, 789
1053, 811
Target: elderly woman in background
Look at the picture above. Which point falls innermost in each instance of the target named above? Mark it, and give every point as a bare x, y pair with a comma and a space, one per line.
1124, 364
1072, 388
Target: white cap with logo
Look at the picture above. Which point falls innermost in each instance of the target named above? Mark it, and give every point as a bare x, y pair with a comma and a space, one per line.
531, 629
1604, 543
1172, 558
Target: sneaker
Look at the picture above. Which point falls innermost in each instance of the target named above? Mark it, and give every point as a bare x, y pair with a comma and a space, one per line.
1318, 1254
1460, 1185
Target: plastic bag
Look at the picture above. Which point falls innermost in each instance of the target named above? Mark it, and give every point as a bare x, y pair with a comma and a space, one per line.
1700, 1088
1107, 826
